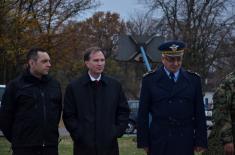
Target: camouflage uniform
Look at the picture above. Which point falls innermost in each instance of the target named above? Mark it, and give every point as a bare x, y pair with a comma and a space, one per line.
224, 109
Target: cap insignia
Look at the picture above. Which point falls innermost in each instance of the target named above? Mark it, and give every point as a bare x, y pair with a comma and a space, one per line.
174, 47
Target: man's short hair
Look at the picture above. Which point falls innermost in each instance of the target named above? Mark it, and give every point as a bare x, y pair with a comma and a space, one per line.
33, 53
91, 50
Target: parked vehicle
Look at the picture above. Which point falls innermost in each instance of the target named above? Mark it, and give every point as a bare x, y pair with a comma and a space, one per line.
2, 89
134, 105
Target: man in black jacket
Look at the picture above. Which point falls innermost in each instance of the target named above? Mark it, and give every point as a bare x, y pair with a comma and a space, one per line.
95, 109
31, 108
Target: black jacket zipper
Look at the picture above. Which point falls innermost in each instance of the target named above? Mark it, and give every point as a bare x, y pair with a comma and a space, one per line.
44, 116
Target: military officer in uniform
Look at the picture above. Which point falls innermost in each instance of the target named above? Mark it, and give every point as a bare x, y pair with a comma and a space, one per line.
224, 112
173, 97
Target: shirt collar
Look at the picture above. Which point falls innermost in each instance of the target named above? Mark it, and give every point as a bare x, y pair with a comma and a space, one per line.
176, 73
94, 79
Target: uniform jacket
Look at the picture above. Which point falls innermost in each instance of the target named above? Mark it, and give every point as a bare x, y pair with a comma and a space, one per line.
178, 118
31, 110
224, 109
95, 116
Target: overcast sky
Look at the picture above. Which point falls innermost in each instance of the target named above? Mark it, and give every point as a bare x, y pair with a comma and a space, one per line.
124, 7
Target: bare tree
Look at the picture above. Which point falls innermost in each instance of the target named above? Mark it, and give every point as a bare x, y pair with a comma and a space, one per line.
141, 24
204, 25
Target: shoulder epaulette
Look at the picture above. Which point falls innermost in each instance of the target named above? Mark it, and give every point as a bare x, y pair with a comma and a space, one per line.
148, 73
194, 73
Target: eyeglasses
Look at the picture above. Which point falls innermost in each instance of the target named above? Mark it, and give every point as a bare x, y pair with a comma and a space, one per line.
173, 59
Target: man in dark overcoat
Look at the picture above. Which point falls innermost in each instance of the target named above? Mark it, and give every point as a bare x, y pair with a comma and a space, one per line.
95, 109
173, 98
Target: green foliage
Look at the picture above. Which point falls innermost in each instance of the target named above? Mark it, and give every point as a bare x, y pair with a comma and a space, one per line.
113, 68
5, 148
128, 146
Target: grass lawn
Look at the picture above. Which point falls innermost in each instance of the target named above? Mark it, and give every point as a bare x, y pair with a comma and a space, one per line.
126, 144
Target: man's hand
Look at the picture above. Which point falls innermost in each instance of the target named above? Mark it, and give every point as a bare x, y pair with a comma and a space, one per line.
146, 149
199, 149
229, 149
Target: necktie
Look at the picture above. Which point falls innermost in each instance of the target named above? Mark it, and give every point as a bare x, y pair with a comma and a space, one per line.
97, 83
172, 77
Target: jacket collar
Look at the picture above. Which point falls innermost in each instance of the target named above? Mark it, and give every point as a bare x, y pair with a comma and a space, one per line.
184, 74
180, 85
160, 73
86, 79
30, 78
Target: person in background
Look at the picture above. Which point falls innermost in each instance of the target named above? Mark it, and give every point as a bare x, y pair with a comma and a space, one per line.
224, 112
95, 109
173, 98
